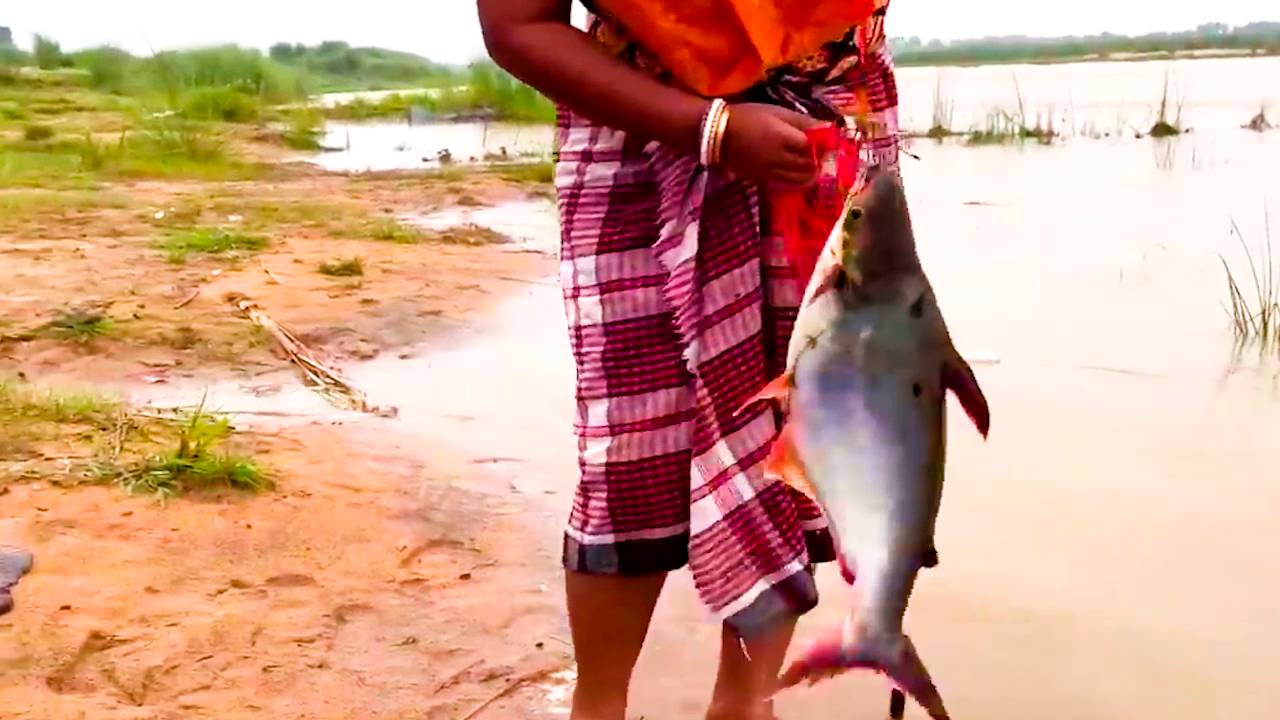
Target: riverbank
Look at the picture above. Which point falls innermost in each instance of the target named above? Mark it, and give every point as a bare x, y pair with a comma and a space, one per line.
376, 573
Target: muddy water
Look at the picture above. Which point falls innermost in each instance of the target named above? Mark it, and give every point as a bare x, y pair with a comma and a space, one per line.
1107, 554
1095, 98
377, 146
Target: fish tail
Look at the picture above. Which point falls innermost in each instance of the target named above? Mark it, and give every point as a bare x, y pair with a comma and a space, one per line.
892, 655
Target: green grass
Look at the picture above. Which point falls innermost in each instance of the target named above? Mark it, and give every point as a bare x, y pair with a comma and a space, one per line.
222, 104
1255, 297
1003, 128
304, 129
350, 267
541, 173
158, 148
483, 89
22, 401
20, 204
78, 325
195, 464
10, 110
68, 436
205, 241
396, 232
37, 133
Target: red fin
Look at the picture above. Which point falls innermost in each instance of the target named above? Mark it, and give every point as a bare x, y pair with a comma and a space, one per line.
784, 462
895, 657
778, 390
958, 377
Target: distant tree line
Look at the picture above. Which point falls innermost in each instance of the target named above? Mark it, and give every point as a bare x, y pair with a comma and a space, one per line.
1261, 37
342, 64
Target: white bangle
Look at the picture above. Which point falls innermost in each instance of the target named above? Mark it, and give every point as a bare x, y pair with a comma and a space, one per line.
709, 123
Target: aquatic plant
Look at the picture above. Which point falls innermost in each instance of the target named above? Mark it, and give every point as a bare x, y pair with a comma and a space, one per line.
1003, 127
304, 129
1255, 300
943, 113
1166, 125
1260, 123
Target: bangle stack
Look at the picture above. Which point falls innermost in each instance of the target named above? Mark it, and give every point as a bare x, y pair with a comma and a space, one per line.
714, 123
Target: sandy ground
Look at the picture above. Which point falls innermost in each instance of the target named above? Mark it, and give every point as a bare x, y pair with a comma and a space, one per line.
386, 577
367, 586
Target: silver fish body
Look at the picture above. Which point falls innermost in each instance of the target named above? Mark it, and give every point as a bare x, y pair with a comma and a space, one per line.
871, 362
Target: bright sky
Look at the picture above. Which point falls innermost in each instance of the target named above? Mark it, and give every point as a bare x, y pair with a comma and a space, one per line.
447, 30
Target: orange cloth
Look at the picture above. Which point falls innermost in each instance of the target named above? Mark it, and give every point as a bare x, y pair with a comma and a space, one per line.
720, 47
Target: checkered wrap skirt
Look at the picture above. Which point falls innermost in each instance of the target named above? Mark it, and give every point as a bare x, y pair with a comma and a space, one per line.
679, 307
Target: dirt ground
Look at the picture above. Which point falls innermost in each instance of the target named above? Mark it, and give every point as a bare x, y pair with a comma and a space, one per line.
373, 582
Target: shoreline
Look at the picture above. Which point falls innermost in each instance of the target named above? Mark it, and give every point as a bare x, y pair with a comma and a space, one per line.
387, 574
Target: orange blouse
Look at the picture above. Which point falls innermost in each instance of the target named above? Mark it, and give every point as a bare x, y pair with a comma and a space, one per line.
720, 47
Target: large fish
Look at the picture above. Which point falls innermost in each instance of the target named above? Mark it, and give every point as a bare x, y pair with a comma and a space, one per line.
869, 366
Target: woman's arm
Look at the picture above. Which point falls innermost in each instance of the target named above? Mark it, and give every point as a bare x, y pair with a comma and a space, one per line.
534, 40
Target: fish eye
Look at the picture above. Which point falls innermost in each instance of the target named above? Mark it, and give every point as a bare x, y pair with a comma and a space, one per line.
916, 390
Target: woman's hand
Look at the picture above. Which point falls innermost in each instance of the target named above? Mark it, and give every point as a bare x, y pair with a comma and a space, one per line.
767, 145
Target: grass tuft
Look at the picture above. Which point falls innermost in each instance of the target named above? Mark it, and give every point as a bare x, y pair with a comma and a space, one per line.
203, 241
195, 464
305, 129
78, 325
470, 235
539, 173
350, 267
396, 232
943, 113
37, 133
1255, 313
1165, 124
21, 401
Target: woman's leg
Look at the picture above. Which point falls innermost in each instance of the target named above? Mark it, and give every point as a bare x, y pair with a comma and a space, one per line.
747, 678
609, 618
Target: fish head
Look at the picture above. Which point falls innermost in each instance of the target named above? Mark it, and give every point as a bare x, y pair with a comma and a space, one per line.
877, 302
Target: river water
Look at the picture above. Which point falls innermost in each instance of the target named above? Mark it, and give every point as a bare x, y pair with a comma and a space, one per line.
1108, 554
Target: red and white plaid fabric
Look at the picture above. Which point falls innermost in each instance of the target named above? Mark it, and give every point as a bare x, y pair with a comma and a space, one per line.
679, 309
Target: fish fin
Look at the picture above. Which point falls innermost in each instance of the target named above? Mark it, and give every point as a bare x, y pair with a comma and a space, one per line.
777, 390
784, 462
958, 377
894, 656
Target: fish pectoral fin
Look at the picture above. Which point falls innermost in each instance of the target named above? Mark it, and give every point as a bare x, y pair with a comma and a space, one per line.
778, 390
958, 377
784, 462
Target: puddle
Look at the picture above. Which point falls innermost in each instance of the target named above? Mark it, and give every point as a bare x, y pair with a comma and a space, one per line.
385, 146
531, 224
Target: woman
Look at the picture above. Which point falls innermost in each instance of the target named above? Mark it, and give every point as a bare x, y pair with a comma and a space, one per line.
680, 303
